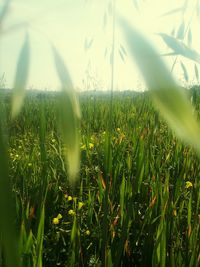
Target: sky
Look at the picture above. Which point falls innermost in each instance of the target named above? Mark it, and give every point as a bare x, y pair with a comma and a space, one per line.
70, 24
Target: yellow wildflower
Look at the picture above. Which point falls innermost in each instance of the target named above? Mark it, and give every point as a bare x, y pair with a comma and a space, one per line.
80, 205
91, 145
71, 212
174, 212
188, 184
55, 221
69, 198
59, 216
118, 129
29, 164
87, 232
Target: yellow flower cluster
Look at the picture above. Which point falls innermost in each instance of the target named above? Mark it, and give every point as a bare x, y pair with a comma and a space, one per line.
188, 184
56, 220
69, 198
71, 212
80, 205
87, 232
90, 145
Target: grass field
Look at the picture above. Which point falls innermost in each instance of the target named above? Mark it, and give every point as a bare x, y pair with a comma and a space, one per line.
137, 199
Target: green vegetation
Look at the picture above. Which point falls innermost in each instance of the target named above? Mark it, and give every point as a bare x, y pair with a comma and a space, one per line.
141, 210
115, 187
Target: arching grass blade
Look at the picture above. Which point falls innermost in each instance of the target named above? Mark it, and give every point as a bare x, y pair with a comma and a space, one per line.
168, 97
69, 117
21, 78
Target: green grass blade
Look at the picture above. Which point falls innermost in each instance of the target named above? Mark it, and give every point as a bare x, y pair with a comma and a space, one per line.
189, 38
4, 10
109, 258
8, 237
40, 238
172, 12
185, 73
69, 117
180, 48
181, 31
170, 99
21, 78
122, 197
196, 72
66, 82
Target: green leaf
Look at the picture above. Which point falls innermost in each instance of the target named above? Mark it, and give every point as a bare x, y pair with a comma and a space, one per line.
21, 78
169, 54
8, 237
74, 230
105, 20
4, 10
123, 49
180, 48
181, 31
189, 38
169, 98
173, 32
198, 10
122, 197
135, 3
110, 8
196, 72
69, 113
40, 238
189, 216
121, 55
15, 27
172, 12
88, 43
185, 73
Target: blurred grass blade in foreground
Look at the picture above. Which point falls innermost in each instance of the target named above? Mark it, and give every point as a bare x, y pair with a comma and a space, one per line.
8, 237
69, 117
170, 99
21, 78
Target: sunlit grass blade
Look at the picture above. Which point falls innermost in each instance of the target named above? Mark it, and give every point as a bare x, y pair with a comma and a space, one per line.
21, 78
170, 99
180, 48
69, 117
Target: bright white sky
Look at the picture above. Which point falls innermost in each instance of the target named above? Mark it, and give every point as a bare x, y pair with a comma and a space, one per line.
67, 23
